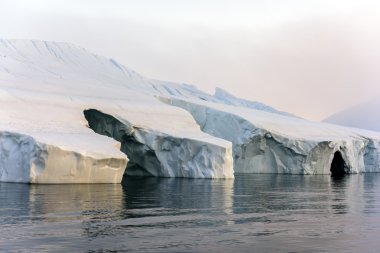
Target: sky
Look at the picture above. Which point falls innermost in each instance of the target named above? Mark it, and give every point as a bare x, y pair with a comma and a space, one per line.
308, 57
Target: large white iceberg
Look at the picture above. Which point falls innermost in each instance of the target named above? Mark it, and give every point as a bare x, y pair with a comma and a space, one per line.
70, 116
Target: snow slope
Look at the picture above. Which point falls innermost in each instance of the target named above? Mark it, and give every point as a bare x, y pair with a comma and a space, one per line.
364, 116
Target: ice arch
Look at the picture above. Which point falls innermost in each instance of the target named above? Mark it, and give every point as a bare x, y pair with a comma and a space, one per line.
338, 165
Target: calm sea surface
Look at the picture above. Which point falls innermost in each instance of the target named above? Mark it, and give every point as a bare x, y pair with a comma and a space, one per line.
252, 213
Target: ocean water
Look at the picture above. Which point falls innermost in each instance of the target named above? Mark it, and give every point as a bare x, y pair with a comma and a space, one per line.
252, 213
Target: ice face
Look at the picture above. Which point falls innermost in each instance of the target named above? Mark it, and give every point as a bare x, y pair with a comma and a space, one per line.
25, 160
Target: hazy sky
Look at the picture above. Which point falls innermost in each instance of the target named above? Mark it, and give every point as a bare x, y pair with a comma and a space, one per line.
308, 57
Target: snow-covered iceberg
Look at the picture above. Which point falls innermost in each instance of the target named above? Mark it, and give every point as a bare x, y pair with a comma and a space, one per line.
264, 142
70, 116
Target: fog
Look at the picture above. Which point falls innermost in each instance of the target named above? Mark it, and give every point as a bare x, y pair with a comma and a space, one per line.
310, 58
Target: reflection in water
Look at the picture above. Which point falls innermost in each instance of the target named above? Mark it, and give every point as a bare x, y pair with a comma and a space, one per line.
179, 193
253, 212
338, 194
56, 199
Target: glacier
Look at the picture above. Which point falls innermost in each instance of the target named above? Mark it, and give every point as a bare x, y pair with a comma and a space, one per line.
70, 116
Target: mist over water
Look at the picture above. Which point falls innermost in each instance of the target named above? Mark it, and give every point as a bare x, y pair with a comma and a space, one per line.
273, 213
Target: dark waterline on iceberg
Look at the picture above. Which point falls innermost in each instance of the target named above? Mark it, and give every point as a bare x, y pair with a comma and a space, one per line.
253, 213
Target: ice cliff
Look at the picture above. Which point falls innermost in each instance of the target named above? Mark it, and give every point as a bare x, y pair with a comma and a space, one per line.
24, 159
70, 116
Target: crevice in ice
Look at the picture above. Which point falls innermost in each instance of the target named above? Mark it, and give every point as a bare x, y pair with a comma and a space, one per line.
143, 161
338, 165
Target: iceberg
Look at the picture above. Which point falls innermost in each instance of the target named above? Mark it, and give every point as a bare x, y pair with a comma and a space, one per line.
63, 99
45, 140
264, 142
71, 116
24, 159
